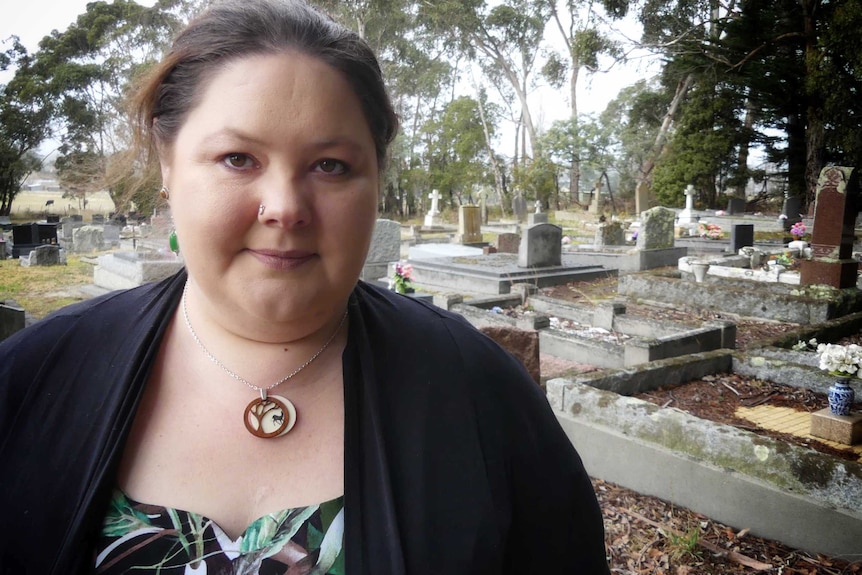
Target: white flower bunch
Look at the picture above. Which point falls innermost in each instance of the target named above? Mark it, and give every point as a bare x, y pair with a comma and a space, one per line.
840, 359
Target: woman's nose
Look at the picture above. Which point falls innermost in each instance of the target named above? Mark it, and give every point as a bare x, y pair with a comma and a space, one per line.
284, 203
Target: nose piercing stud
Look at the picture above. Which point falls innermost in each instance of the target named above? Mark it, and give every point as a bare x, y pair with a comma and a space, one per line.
261, 209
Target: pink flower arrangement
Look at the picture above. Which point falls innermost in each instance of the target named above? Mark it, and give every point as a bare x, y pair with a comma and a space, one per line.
797, 230
403, 275
711, 231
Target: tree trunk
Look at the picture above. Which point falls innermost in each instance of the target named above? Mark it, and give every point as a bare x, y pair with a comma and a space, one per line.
498, 177
682, 89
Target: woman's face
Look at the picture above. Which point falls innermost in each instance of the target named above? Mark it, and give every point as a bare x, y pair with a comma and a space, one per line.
283, 131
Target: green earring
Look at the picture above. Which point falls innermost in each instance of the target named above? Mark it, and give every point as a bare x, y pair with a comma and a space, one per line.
173, 242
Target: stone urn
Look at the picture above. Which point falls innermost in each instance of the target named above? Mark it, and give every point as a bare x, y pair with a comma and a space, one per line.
699, 270
841, 396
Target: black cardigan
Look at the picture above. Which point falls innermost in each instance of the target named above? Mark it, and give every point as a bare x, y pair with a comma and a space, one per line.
454, 462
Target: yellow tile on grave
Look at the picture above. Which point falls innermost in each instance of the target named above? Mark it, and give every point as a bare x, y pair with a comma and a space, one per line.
788, 420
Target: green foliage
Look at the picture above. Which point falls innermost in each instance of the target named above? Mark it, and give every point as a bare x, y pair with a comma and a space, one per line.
25, 113
456, 149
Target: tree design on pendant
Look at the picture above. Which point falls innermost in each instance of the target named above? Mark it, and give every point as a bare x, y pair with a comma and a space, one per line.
271, 416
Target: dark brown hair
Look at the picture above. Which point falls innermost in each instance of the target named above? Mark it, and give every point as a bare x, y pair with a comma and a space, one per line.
237, 28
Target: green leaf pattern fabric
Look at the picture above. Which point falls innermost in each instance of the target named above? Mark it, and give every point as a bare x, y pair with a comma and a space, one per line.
141, 538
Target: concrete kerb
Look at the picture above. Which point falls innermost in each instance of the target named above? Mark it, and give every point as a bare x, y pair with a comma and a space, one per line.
810, 304
780, 491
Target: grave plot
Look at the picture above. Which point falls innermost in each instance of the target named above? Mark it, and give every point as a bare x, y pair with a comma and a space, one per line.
777, 489
601, 336
809, 304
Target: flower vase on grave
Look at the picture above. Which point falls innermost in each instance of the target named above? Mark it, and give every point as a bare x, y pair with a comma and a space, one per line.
699, 271
841, 396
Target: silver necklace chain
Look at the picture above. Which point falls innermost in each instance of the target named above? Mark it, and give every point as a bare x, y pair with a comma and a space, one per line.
240, 379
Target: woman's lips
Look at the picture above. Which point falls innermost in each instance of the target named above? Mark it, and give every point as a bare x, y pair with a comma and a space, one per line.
283, 260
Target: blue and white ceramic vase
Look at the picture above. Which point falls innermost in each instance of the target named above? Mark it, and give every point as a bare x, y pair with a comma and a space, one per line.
841, 396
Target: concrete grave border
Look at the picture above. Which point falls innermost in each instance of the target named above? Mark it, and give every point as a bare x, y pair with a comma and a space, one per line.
780, 491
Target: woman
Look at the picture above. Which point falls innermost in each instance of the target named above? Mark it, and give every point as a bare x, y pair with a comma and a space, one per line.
262, 412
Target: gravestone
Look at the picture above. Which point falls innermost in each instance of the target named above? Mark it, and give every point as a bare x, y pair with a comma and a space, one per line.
736, 206
537, 217
12, 318
610, 234
469, 225
88, 239
741, 236
52, 219
483, 208
47, 255
541, 246
519, 206
111, 235
686, 216
791, 211
432, 218
77, 218
596, 203
656, 229
523, 344
835, 209
507, 243
27, 237
98, 219
385, 247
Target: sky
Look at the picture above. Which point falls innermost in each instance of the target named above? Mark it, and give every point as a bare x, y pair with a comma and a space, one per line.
31, 20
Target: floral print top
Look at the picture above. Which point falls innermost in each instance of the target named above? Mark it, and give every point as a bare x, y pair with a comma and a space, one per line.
141, 538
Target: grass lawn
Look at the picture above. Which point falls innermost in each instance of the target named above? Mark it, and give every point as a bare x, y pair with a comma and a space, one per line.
43, 289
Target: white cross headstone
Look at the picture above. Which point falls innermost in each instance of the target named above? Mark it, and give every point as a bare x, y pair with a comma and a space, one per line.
686, 216
431, 219
435, 198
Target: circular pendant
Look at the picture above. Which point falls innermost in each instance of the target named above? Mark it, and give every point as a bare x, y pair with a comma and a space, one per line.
272, 416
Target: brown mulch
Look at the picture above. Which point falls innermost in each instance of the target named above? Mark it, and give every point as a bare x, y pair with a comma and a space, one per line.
717, 397
645, 534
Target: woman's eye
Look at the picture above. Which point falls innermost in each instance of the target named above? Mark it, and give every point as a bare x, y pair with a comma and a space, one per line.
330, 166
239, 161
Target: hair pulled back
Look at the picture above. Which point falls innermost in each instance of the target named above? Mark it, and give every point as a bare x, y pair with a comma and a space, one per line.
234, 29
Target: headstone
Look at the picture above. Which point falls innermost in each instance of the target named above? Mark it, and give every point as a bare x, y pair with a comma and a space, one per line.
385, 247
507, 243
656, 229
12, 318
111, 235
432, 218
791, 211
47, 255
537, 218
519, 206
736, 206
523, 344
88, 239
469, 225
641, 198
483, 208
52, 219
596, 204
610, 234
541, 246
27, 237
98, 219
832, 239
741, 236
686, 216
77, 218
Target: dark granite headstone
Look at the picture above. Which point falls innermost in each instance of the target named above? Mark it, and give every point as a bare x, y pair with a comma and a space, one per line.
741, 235
27, 237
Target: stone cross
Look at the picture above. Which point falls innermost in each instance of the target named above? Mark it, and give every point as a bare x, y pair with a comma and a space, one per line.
538, 206
435, 198
686, 216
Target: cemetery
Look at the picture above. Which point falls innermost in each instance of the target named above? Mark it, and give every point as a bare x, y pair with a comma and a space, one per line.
670, 265
499, 275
